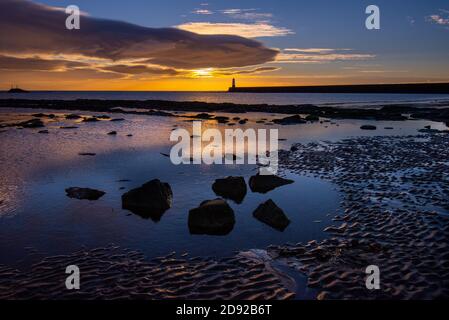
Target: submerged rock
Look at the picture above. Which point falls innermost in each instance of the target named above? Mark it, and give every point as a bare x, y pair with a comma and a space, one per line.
233, 188
91, 119
270, 214
150, 200
87, 154
368, 127
84, 193
212, 217
112, 133
43, 131
33, 123
312, 117
222, 119
296, 119
72, 117
265, 183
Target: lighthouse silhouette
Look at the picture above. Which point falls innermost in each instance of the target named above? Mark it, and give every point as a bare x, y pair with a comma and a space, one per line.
233, 83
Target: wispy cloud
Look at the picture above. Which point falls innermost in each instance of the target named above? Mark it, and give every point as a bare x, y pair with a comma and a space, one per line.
247, 30
202, 12
442, 18
247, 14
317, 55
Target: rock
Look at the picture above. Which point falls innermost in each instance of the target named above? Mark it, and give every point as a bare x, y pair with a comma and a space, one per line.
203, 116
296, 119
112, 133
212, 217
72, 117
33, 123
312, 117
270, 214
221, 119
150, 200
43, 131
265, 183
388, 128
368, 127
68, 127
87, 154
233, 188
117, 120
104, 117
84, 193
294, 149
244, 121
91, 119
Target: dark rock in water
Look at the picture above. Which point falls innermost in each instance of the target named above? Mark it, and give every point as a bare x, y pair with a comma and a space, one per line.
129, 135
117, 120
203, 116
43, 115
84, 193
150, 200
91, 119
233, 188
312, 117
72, 117
221, 119
43, 131
212, 217
265, 183
368, 127
244, 121
294, 149
33, 123
87, 154
69, 127
428, 127
388, 128
104, 117
112, 133
270, 214
296, 119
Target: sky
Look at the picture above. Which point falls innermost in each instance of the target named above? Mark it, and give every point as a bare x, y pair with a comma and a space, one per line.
188, 45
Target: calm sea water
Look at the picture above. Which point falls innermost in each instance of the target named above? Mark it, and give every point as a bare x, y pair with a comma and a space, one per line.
242, 98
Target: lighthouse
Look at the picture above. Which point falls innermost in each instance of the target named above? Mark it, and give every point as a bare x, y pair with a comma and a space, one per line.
233, 83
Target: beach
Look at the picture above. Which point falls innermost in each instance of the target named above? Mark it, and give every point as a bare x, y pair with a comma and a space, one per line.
369, 186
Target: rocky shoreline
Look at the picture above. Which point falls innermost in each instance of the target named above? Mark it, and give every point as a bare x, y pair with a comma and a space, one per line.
436, 111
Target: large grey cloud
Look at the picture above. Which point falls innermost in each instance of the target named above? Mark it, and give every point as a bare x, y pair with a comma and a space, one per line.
27, 27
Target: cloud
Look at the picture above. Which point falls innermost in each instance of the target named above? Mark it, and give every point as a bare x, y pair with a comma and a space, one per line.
141, 69
441, 19
37, 64
247, 71
31, 28
316, 55
247, 14
247, 30
202, 12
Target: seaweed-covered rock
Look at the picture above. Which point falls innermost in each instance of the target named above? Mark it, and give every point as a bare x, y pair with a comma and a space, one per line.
84, 193
265, 183
212, 217
368, 127
150, 200
233, 188
270, 214
33, 123
296, 119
